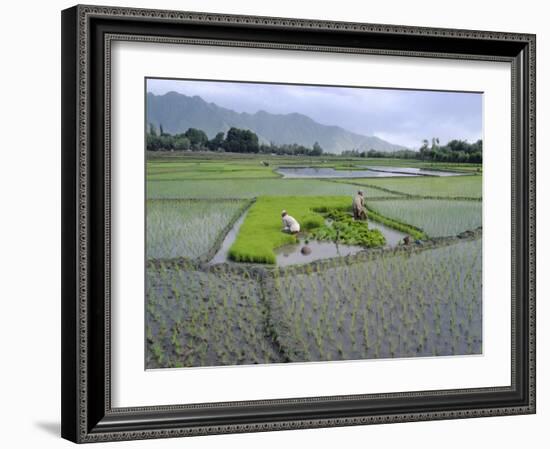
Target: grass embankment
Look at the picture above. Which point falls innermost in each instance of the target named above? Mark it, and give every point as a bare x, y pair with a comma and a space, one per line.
187, 228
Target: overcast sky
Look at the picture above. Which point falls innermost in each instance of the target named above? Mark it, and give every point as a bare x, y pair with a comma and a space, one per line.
402, 117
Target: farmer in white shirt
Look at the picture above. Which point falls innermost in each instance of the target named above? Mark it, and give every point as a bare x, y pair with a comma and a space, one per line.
290, 224
359, 211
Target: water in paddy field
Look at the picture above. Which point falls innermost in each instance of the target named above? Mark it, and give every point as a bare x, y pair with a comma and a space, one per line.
412, 171
293, 254
324, 172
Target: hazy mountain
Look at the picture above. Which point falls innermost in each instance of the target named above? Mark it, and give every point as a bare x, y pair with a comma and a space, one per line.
177, 112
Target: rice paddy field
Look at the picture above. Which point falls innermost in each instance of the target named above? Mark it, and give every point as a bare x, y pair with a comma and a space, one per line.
410, 300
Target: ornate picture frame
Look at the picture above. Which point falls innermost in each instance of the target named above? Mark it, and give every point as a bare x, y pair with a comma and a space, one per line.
87, 35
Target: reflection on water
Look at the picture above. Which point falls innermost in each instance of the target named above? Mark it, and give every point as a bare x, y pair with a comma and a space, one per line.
292, 254
412, 171
325, 172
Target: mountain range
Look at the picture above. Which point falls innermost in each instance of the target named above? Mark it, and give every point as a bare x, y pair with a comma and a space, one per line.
178, 112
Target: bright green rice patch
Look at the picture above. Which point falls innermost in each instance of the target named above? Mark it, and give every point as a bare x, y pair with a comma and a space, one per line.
261, 231
184, 228
437, 218
249, 188
445, 186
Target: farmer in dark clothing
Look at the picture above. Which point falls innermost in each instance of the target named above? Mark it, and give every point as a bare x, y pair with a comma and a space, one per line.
359, 210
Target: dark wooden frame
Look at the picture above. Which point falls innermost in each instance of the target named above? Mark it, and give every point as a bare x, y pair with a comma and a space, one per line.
87, 32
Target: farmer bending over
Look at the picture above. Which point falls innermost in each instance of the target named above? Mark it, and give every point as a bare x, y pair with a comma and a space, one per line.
359, 211
290, 224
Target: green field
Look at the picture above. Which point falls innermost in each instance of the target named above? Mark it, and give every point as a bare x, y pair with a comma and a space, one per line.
173, 171
437, 218
409, 301
425, 304
186, 228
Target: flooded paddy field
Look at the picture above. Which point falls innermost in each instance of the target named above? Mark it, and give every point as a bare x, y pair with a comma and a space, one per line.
360, 172
401, 304
414, 171
335, 300
209, 317
321, 172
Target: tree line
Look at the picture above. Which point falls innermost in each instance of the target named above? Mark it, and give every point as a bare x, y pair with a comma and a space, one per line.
235, 141
454, 151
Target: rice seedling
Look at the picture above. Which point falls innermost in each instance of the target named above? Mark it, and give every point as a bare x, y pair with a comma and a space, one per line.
344, 229
375, 296
261, 231
170, 170
437, 218
182, 228
431, 186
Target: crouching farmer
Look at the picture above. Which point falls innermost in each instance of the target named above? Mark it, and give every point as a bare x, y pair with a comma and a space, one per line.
359, 210
290, 224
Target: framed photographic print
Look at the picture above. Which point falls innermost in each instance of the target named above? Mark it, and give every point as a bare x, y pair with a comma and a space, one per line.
276, 223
